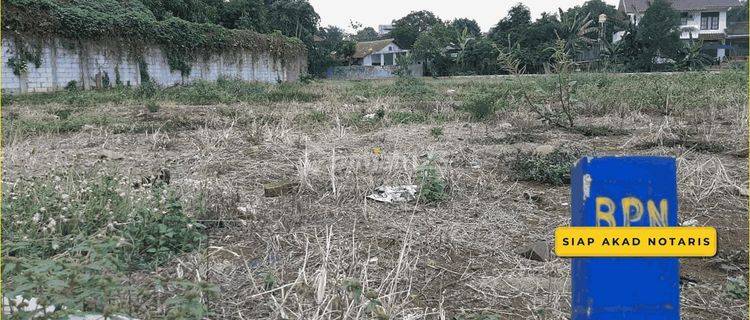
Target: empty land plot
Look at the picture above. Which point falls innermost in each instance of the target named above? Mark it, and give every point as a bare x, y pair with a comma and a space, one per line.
159, 193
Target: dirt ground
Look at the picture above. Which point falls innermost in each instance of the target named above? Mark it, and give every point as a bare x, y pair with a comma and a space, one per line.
308, 255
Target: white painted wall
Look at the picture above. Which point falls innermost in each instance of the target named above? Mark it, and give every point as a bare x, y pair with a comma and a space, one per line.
63, 61
695, 24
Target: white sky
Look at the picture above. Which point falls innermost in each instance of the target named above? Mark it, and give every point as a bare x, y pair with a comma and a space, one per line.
374, 12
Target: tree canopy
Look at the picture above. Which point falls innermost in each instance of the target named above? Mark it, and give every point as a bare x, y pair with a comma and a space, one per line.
407, 29
659, 33
470, 25
366, 34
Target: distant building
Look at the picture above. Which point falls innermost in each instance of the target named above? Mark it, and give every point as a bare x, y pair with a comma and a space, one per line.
377, 53
699, 20
374, 60
384, 29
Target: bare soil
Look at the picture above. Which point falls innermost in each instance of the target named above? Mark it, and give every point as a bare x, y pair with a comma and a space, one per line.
307, 255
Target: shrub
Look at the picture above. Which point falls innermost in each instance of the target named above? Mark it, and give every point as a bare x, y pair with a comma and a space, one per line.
152, 106
72, 85
737, 287
411, 88
148, 89
62, 114
432, 187
483, 105
553, 168
436, 132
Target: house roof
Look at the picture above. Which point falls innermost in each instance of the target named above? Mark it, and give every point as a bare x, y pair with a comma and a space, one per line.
631, 6
367, 47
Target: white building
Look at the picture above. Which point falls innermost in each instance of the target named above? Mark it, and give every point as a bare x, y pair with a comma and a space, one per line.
377, 53
699, 20
384, 29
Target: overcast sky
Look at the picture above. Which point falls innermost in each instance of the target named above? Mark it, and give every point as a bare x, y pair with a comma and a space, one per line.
374, 12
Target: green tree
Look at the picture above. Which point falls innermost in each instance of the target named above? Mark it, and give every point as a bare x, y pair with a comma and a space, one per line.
577, 30
479, 56
512, 28
330, 50
294, 18
432, 48
659, 35
628, 53
616, 20
407, 29
539, 36
206, 11
245, 14
470, 25
366, 34
738, 14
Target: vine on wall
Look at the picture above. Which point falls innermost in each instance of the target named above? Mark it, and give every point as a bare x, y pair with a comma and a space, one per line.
23, 55
131, 22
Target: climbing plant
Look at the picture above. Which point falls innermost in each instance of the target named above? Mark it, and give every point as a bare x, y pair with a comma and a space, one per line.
23, 55
131, 22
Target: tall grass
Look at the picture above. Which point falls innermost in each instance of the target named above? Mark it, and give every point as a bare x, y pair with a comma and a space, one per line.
224, 90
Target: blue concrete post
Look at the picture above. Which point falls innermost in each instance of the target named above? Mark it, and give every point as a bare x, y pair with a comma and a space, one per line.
625, 191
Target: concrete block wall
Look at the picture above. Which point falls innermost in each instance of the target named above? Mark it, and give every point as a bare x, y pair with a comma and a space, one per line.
370, 72
89, 63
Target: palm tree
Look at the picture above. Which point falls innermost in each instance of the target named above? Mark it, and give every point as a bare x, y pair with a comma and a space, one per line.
576, 32
463, 40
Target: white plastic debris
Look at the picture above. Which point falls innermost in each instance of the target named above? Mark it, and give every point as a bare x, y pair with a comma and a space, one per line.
360, 99
394, 194
38, 312
369, 116
690, 223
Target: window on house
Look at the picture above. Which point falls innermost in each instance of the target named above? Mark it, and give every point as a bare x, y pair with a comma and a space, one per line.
388, 59
710, 21
685, 18
375, 59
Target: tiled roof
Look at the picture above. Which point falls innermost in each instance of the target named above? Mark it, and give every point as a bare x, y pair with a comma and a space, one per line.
631, 6
367, 47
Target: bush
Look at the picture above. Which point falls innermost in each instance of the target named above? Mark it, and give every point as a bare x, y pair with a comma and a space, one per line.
432, 187
411, 88
152, 106
553, 168
737, 287
148, 89
483, 105
72, 85
436, 132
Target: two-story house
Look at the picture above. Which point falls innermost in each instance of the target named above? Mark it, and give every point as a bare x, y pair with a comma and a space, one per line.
699, 20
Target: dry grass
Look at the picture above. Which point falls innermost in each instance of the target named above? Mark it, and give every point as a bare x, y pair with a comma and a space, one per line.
327, 253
